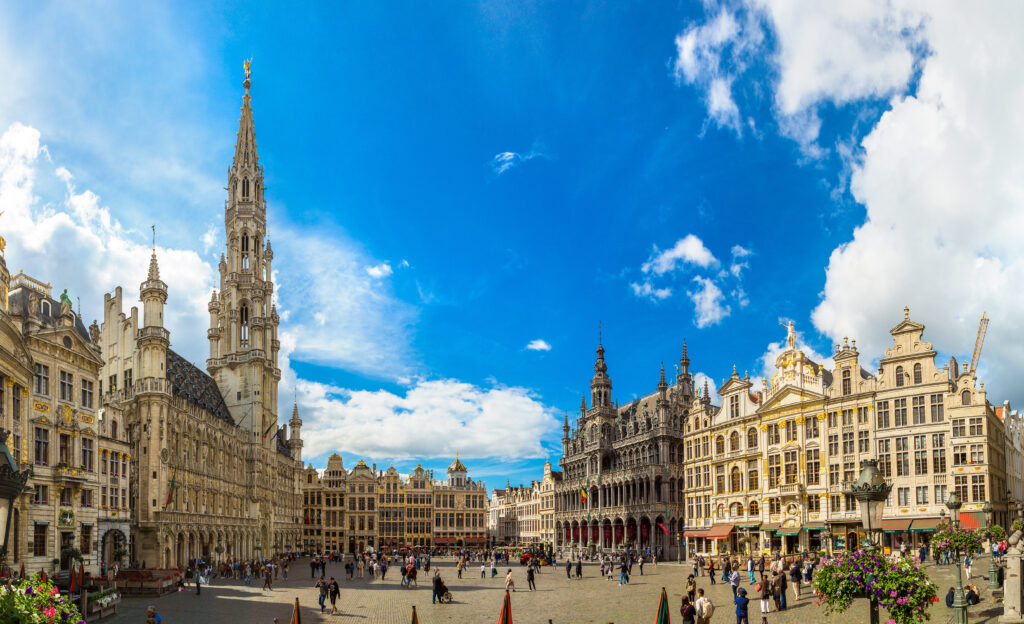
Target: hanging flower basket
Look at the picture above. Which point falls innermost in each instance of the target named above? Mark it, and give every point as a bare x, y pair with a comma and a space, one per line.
950, 538
898, 584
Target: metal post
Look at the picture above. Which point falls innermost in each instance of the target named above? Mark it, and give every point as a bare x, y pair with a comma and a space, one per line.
959, 600
679, 547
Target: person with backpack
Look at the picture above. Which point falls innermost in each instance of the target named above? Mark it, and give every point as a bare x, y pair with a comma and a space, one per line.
687, 612
705, 608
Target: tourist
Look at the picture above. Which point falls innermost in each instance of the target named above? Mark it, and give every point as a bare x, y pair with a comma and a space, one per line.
152, 617
782, 589
750, 569
764, 590
704, 607
579, 568
312, 568
322, 586
529, 578
691, 588
734, 581
696, 566
775, 585
568, 569
687, 611
509, 582
268, 579
742, 603
437, 586
949, 598
199, 581
334, 591
641, 565
411, 577
795, 578
967, 565
700, 566
483, 570
711, 569
972, 596
760, 567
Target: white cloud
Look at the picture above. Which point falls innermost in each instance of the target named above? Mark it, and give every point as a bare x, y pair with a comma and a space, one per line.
504, 161
688, 250
699, 379
380, 270
209, 238
645, 289
538, 345
941, 179
67, 237
432, 419
708, 302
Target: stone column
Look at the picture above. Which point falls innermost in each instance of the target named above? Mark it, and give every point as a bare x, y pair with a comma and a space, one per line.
1012, 599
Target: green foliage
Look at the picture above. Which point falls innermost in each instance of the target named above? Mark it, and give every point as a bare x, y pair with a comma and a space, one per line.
995, 533
960, 540
898, 584
35, 601
1016, 526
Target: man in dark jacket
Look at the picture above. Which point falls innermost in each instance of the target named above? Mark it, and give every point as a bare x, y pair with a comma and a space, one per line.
568, 568
438, 587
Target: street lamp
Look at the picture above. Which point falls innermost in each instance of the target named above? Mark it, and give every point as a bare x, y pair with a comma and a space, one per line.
871, 490
993, 569
12, 482
826, 535
959, 601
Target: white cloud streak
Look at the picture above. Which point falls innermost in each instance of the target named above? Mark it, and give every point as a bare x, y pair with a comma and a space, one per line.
538, 345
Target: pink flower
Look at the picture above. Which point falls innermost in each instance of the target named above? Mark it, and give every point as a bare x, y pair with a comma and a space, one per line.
51, 612
53, 591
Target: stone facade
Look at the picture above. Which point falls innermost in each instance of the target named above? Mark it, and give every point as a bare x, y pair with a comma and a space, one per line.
213, 474
50, 401
460, 509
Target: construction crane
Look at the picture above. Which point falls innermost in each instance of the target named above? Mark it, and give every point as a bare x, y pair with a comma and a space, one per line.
982, 328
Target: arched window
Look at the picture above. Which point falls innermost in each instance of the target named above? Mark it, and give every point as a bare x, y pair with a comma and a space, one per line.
45, 307
720, 445
917, 373
245, 187
899, 376
754, 508
965, 397
752, 438
735, 480
734, 441
847, 383
244, 318
113, 429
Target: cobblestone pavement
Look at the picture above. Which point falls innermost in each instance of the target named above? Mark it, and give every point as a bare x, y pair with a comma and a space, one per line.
563, 601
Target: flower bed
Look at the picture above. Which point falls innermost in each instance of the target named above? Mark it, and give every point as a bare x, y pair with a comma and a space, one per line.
149, 582
898, 584
33, 600
963, 541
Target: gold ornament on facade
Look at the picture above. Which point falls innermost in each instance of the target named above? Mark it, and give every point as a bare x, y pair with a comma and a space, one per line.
65, 414
39, 406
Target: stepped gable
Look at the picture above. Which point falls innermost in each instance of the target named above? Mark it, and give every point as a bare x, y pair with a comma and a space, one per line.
197, 387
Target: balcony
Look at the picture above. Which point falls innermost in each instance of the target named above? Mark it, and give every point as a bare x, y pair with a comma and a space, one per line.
67, 474
791, 489
154, 332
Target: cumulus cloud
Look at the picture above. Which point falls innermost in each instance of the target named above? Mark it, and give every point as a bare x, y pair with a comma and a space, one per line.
699, 380
64, 235
538, 345
645, 289
380, 270
209, 238
708, 302
431, 419
687, 250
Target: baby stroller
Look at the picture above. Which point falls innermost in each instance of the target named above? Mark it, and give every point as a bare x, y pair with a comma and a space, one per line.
446, 596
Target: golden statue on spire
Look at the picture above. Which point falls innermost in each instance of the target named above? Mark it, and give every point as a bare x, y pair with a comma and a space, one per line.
247, 63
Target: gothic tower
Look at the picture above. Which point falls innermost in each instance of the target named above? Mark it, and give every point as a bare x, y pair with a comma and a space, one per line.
243, 319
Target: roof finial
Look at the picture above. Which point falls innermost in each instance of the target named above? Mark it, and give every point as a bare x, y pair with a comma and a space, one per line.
600, 332
153, 227
246, 63
906, 312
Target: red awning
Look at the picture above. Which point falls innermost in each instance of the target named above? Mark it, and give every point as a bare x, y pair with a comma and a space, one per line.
696, 533
896, 525
719, 531
972, 520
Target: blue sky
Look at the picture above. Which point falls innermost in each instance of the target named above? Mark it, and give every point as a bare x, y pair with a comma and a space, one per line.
451, 184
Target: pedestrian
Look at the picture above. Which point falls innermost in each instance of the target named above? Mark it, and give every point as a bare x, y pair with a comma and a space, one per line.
711, 569
623, 573
321, 585
579, 568
152, 617
782, 590
568, 569
734, 581
268, 579
760, 567
741, 606
483, 570
641, 564
696, 566
687, 611
774, 583
199, 581
794, 577
312, 568
529, 578
750, 569
404, 578
691, 588
967, 565
764, 590
700, 567
438, 587
333, 591
509, 582
705, 608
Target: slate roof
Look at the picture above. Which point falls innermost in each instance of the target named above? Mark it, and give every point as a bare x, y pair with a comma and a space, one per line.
18, 306
196, 387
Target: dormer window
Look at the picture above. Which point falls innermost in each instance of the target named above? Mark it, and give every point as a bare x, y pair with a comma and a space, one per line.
917, 373
44, 307
847, 383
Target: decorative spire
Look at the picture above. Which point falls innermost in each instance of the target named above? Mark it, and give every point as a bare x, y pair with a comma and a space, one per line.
154, 270
661, 381
906, 312
246, 156
583, 405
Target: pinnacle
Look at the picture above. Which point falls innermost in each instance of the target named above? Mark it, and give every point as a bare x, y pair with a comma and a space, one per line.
154, 270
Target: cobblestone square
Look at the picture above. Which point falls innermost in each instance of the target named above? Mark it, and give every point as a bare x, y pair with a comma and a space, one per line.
563, 601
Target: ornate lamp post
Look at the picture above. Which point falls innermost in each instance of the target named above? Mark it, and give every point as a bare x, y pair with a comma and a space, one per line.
959, 601
993, 569
826, 535
871, 490
12, 483
679, 547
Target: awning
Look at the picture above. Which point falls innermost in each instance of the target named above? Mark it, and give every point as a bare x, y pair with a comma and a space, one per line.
896, 525
788, 531
816, 527
747, 526
771, 526
719, 531
926, 525
972, 520
696, 533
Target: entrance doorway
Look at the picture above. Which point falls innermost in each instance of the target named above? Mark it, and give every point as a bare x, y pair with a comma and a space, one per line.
67, 541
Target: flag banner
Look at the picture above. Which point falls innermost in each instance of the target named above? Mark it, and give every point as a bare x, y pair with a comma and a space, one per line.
170, 492
662, 527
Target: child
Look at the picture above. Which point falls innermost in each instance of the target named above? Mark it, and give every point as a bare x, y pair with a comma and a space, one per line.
509, 582
741, 606
483, 570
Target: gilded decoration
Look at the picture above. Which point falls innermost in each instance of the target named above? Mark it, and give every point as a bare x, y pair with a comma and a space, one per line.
86, 418
39, 406
65, 414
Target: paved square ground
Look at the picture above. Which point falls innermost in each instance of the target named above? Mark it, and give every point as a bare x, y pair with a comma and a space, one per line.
563, 601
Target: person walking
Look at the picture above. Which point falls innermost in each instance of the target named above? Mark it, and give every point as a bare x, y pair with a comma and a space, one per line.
795, 578
322, 586
700, 566
333, 590
579, 568
967, 565
750, 569
691, 588
438, 587
509, 582
775, 585
760, 567
623, 573
711, 569
268, 579
199, 581
568, 569
696, 566
529, 578
734, 581
704, 607
783, 583
640, 563
483, 570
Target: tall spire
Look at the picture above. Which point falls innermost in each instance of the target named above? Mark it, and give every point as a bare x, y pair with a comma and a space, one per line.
154, 270
245, 144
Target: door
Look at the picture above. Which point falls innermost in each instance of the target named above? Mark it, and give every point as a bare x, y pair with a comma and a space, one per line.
67, 541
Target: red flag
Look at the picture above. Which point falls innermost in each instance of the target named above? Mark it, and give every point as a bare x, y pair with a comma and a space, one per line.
662, 526
506, 610
74, 580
